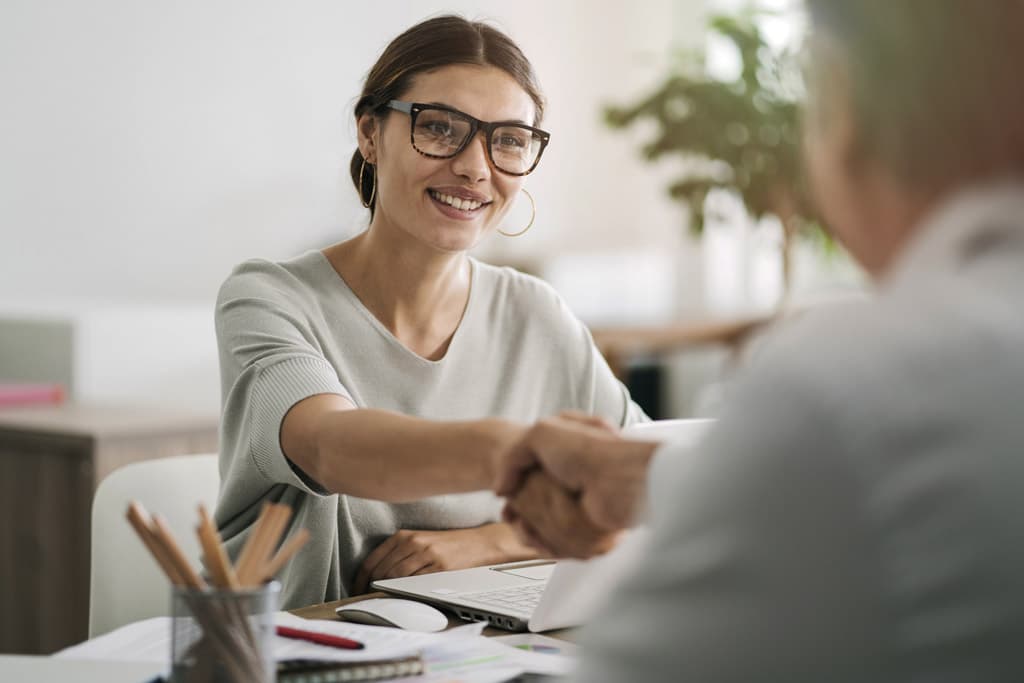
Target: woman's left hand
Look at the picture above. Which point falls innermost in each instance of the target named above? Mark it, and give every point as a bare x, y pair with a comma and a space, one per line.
410, 552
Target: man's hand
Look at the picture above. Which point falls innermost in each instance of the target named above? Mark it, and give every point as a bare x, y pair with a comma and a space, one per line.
550, 519
515, 461
409, 552
606, 473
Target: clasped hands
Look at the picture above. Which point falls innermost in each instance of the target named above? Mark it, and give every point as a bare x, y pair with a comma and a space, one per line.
573, 484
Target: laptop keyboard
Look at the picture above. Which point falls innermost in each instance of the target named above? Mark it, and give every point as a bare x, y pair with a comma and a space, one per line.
519, 599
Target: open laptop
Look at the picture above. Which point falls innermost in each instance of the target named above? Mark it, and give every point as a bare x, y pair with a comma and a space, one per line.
541, 595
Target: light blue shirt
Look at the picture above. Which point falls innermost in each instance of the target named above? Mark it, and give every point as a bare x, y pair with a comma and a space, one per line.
857, 513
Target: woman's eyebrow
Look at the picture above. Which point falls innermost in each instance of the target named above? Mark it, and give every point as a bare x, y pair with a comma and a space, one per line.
448, 106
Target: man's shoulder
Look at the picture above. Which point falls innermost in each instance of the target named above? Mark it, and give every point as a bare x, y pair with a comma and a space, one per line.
821, 343
853, 341
877, 375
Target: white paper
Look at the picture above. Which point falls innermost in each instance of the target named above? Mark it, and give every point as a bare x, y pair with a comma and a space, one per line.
150, 641
541, 644
483, 660
459, 654
380, 642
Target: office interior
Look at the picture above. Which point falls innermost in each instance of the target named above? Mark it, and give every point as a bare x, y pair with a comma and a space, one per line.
150, 147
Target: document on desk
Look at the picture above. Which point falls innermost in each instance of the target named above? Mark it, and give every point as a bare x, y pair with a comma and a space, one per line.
485, 660
460, 654
150, 641
380, 642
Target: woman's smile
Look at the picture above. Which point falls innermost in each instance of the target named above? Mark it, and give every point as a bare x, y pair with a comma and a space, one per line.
458, 203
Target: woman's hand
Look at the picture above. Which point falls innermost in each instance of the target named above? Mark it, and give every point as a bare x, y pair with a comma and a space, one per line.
409, 552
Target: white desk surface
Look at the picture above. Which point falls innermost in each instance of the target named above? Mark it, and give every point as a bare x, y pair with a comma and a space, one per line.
38, 669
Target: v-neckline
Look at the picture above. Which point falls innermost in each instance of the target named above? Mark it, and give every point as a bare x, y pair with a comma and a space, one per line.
387, 334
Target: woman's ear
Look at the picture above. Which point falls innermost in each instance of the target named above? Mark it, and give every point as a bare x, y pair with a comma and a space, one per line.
368, 131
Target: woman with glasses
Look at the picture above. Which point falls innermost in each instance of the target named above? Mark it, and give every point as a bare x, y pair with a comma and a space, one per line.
392, 369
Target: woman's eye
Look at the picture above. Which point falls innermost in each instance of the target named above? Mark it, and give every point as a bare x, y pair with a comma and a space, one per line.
511, 141
438, 128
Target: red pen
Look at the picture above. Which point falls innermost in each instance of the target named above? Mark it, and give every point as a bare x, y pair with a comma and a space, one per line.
319, 638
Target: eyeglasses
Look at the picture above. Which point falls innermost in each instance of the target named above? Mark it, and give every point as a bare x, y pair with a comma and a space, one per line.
441, 132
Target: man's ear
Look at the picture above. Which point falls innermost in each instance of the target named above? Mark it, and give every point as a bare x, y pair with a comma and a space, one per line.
848, 133
368, 131
836, 107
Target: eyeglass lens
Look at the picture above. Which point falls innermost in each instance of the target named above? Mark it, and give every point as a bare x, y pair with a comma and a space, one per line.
442, 133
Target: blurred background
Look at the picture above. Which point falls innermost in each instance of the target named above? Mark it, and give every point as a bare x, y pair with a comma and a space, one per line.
146, 148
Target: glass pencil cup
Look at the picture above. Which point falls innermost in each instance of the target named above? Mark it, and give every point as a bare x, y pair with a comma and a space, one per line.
223, 636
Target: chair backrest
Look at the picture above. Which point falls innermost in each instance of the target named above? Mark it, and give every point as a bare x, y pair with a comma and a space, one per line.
126, 584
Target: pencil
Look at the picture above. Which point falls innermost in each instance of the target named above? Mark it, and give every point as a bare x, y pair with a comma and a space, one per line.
213, 549
139, 519
245, 558
187, 572
285, 553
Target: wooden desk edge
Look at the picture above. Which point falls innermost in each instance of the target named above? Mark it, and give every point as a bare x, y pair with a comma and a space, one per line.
616, 344
660, 338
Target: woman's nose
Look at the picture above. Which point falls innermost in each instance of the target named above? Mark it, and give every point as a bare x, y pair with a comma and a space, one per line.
472, 162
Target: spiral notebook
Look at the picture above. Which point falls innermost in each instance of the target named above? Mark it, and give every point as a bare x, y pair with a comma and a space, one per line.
318, 671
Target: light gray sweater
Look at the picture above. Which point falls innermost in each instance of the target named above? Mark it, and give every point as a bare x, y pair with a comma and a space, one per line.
290, 330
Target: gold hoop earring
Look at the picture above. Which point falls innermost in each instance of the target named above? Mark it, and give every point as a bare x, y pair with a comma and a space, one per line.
533, 215
373, 190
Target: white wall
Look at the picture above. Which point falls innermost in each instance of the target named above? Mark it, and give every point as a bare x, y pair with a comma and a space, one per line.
146, 147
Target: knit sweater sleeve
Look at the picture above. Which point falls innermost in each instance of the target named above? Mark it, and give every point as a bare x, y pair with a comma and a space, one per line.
270, 360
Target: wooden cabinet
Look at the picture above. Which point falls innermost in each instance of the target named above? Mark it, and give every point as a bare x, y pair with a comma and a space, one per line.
51, 460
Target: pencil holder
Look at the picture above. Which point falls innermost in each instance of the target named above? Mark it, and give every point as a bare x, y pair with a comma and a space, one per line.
223, 636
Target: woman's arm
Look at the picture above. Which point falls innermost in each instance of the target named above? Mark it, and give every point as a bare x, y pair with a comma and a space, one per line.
388, 456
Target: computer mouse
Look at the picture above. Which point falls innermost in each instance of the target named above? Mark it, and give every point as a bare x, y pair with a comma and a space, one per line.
407, 614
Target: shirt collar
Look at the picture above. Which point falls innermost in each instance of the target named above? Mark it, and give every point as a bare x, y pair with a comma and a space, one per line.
951, 234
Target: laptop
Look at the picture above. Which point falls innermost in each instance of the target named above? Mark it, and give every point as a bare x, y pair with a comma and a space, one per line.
544, 594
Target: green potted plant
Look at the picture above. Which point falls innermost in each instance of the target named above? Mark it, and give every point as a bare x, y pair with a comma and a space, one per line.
740, 134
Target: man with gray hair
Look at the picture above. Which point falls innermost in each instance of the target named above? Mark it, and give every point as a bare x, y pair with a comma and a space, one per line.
855, 514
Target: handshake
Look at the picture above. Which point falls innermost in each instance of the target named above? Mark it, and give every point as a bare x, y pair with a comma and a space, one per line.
572, 484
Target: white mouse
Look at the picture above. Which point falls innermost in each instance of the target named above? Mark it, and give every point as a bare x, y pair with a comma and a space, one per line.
407, 614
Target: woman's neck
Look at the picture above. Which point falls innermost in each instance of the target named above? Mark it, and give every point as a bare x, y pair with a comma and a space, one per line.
419, 294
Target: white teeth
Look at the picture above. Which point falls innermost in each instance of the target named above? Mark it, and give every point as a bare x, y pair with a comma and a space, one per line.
458, 203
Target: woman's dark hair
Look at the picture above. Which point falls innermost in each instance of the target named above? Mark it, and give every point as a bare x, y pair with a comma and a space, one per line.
935, 83
432, 44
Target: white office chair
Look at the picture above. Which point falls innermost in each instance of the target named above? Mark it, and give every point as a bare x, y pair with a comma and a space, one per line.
125, 583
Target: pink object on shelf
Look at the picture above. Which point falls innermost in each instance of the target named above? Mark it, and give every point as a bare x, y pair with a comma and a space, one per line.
27, 394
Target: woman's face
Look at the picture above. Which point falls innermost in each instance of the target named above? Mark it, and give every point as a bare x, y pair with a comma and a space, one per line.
415, 193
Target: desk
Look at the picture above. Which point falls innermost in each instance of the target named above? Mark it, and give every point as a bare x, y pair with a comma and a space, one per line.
51, 460
617, 344
21, 668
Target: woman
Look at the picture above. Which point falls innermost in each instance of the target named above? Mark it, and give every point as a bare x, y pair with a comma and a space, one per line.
392, 369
